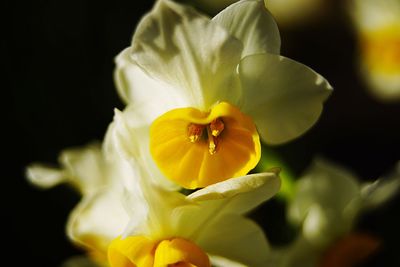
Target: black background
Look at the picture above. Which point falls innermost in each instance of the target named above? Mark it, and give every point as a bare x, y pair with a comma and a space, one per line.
58, 92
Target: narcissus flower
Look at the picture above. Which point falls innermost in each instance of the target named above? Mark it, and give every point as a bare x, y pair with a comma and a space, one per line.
124, 220
378, 27
210, 89
326, 204
189, 231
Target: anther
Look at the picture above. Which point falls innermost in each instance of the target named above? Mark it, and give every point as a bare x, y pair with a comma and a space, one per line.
195, 131
212, 142
217, 126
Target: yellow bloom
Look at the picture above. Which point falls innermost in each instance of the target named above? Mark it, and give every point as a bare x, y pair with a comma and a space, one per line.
378, 27
210, 89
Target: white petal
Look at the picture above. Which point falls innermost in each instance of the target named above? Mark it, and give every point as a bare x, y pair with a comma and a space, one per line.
138, 88
283, 96
236, 238
85, 167
326, 203
176, 44
219, 261
382, 190
252, 24
45, 176
240, 194
130, 136
98, 219
81, 167
234, 196
298, 253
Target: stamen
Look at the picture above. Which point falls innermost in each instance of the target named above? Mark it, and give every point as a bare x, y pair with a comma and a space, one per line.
212, 142
217, 126
195, 131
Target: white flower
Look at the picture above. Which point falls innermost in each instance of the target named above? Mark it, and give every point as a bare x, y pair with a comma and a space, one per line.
326, 205
167, 227
209, 88
121, 208
378, 27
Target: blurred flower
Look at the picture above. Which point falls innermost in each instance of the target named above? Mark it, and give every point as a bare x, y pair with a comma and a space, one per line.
291, 13
378, 26
99, 177
209, 88
326, 205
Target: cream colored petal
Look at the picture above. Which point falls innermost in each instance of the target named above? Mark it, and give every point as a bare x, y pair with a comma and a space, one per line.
380, 191
130, 137
136, 87
241, 194
98, 219
81, 167
236, 238
45, 176
326, 203
298, 253
234, 196
176, 44
252, 24
219, 261
283, 96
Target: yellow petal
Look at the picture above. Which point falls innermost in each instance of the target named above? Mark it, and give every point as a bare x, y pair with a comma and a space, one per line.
197, 149
140, 251
180, 252
133, 251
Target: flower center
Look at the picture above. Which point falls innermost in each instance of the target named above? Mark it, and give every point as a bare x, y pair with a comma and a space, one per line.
140, 251
196, 149
214, 129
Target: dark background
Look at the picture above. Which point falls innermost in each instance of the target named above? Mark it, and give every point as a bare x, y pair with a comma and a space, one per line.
58, 92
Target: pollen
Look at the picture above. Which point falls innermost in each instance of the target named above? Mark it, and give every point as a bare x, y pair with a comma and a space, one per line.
212, 141
195, 131
217, 126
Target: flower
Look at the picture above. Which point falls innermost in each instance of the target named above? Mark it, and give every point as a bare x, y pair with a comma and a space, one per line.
167, 228
209, 90
326, 204
378, 27
123, 216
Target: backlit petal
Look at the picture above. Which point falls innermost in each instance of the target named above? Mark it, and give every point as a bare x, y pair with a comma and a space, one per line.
181, 47
252, 24
283, 96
